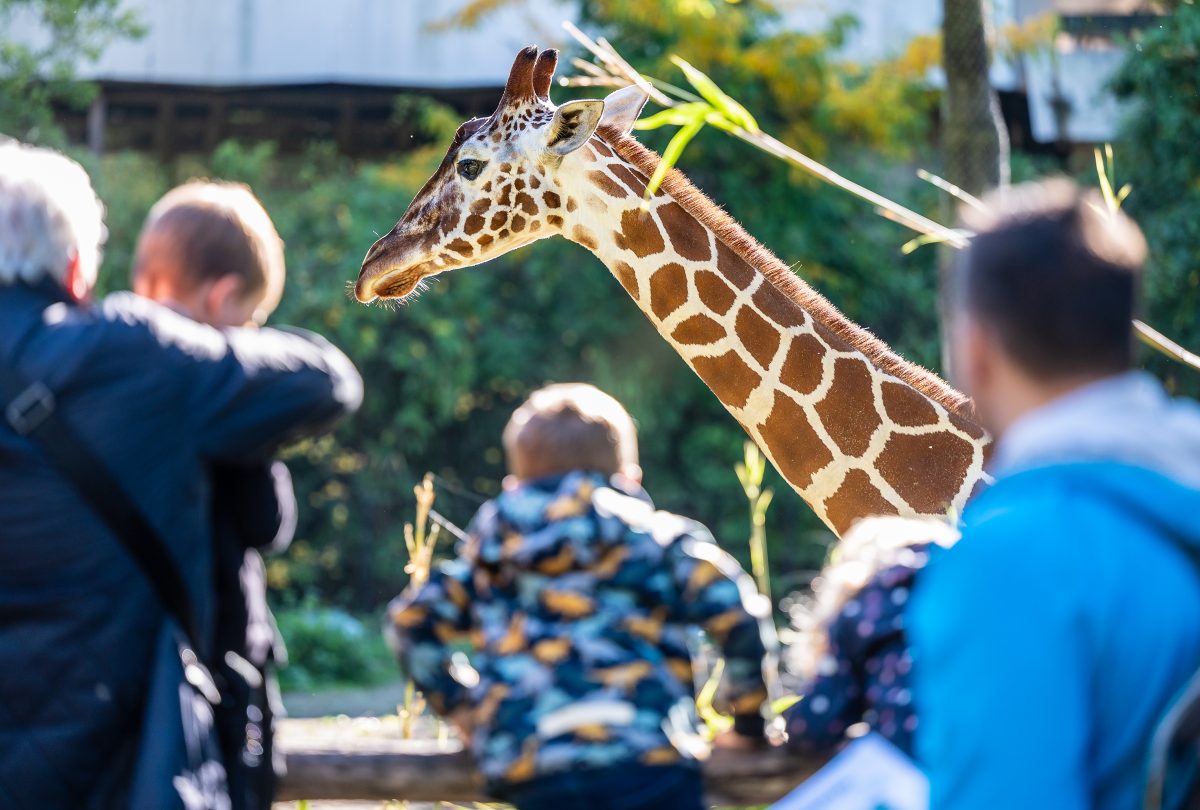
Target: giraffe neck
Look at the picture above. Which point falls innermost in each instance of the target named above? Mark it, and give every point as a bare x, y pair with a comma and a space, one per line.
851, 427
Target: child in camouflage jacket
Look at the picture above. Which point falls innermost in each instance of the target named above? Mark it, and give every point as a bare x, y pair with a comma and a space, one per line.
559, 637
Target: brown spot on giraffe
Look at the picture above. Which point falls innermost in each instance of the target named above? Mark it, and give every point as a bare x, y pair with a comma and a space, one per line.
778, 306
733, 266
584, 237
698, 330
628, 278
970, 428
714, 292
912, 464
481, 206
848, 422
517, 224
760, 338
519, 184
474, 224
526, 204
554, 221
551, 199
639, 234
461, 247
856, 497
571, 205
536, 225
797, 449
906, 407
534, 182
486, 188
802, 370
498, 220
729, 377
505, 198
634, 183
600, 148
606, 184
485, 240
668, 290
505, 168
688, 236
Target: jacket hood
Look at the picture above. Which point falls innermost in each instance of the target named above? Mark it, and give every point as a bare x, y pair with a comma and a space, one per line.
1128, 440
1128, 418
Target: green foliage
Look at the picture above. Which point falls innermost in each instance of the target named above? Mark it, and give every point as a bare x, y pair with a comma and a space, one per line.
1158, 156
328, 647
37, 74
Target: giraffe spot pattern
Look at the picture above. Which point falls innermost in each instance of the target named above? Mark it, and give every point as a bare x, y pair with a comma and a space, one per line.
714, 293
668, 290
698, 330
628, 278
526, 204
733, 266
729, 377
551, 199
795, 445
585, 237
554, 221
632, 181
778, 307
906, 407
856, 497
639, 234
848, 423
759, 337
517, 224
607, 185
474, 224
802, 370
913, 464
498, 220
461, 247
687, 235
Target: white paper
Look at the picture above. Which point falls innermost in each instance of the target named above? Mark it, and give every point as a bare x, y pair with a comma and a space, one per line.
869, 774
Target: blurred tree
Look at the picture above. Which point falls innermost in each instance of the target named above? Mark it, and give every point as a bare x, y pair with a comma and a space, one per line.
1158, 156
37, 74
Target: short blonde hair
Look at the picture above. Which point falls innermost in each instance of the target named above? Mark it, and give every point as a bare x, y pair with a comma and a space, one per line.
49, 214
569, 426
212, 229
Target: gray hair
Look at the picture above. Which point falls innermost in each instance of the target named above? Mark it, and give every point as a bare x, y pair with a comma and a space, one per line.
49, 213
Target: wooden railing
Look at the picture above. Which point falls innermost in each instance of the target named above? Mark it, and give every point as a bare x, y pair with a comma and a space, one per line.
382, 767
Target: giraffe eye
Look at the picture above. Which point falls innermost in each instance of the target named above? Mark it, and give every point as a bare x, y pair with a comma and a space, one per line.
470, 168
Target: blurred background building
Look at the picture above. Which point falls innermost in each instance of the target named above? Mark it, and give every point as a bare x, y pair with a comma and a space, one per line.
294, 70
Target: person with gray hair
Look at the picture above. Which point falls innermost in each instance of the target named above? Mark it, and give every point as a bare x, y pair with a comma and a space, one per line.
153, 399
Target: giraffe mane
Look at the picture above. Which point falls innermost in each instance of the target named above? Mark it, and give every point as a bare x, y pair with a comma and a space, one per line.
780, 276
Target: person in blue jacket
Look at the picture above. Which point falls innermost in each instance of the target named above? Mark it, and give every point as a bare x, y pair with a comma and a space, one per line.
160, 399
1049, 640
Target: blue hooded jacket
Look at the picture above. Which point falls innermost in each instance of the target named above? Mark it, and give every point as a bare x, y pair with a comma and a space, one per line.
1050, 639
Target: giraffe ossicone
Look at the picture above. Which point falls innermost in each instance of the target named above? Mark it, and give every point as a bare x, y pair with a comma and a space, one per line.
854, 429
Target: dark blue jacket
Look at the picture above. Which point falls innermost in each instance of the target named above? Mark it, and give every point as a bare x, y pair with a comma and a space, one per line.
160, 398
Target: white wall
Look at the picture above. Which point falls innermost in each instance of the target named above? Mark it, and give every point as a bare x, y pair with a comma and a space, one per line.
232, 42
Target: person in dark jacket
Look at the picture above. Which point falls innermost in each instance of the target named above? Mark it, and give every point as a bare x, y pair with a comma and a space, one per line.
577, 601
209, 251
159, 398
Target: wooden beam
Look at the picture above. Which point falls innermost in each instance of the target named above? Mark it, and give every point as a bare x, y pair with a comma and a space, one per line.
383, 768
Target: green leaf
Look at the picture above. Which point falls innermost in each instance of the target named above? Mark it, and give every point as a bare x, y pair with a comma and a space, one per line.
678, 116
732, 110
673, 152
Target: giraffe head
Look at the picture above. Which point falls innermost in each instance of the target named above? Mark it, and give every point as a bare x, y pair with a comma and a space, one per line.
498, 188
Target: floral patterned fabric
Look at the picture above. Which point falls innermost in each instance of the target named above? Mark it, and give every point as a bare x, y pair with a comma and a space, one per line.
564, 624
865, 674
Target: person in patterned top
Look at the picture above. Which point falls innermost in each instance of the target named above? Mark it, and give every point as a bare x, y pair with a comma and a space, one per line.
558, 639
857, 659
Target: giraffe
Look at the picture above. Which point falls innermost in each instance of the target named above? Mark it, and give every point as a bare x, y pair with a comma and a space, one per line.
852, 427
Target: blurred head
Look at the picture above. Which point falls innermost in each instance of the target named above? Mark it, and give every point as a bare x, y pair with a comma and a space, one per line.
51, 222
571, 426
211, 249
1045, 296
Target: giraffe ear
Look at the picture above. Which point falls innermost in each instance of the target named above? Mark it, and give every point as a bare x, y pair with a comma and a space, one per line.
622, 108
573, 123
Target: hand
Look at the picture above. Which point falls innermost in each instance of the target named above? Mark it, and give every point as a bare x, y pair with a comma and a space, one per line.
732, 741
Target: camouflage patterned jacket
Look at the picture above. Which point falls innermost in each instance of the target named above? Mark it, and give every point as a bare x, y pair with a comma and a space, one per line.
564, 628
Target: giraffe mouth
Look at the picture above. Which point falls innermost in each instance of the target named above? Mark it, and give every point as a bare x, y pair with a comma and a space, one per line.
397, 283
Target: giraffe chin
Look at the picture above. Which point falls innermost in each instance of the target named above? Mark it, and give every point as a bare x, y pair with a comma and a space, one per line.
391, 285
